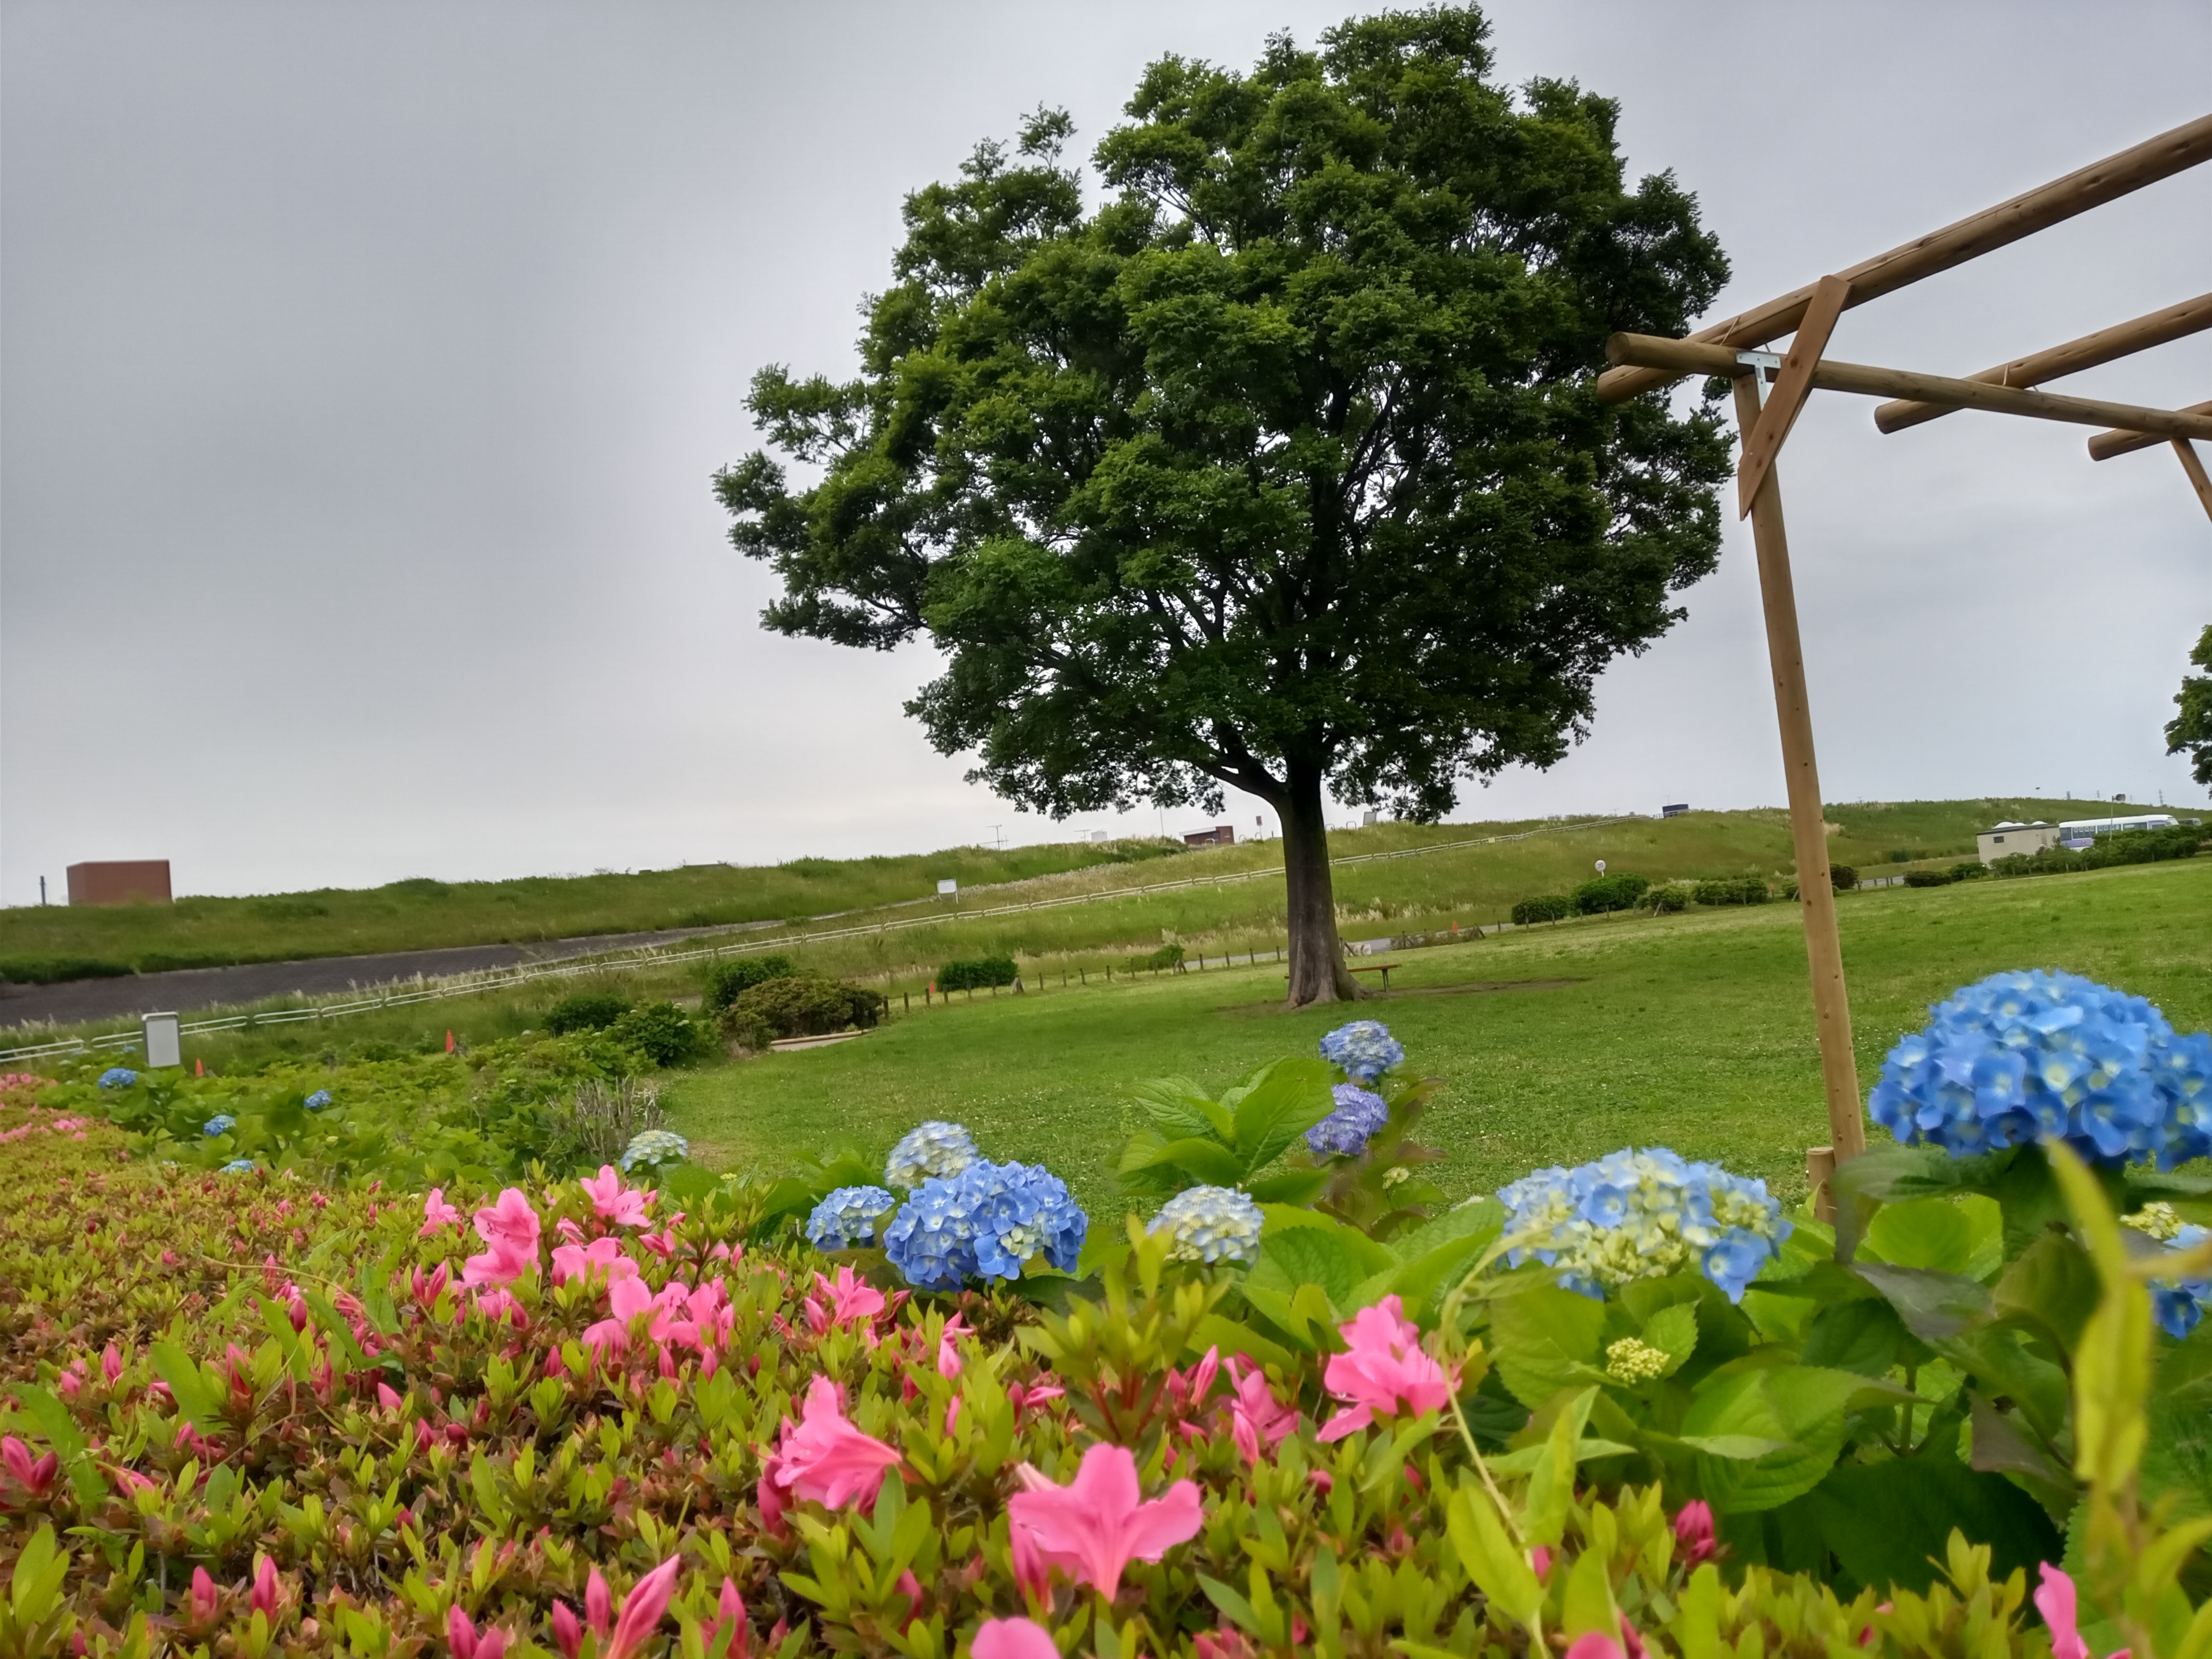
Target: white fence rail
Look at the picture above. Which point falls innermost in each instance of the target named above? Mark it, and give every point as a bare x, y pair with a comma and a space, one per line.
497, 979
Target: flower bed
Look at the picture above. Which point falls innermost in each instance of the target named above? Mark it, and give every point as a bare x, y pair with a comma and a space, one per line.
253, 1413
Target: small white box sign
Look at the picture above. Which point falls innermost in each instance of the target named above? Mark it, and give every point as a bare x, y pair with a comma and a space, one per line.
162, 1048
948, 886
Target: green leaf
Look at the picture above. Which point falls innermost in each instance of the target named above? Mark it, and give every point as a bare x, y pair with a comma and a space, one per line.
1297, 1187
1288, 1099
1934, 1306
1183, 1109
1372, 1257
1305, 1255
336, 1328
2053, 1283
1673, 1331
1497, 1567
1232, 1336
1800, 1406
1552, 1481
1526, 1460
1230, 1602
1888, 1522
1207, 1161
1883, 1175
1862, 1336
195, 1399
1543, 1336
1960, 1235
1743, 1447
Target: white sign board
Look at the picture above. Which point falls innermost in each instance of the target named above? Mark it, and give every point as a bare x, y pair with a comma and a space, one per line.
162, 1048
948, 886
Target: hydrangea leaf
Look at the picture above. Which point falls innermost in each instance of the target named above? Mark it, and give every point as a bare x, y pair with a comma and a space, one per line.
1181, 1108
1862, 1336
1934, 1232
1887, 1522
1307, 1256
1371, 1257
1673, 1331
1287, 1100
1800, 1406
1544, 1336
1935, 1306
1207, 1161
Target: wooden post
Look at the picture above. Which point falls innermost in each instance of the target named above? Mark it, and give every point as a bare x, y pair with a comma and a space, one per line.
1816, 893
1820, 1181
2195, 469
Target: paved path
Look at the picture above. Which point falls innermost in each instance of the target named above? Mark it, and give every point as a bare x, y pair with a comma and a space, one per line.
183, 990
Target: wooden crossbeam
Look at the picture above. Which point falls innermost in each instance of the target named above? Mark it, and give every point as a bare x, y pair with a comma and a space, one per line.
2105, 444
2105, 346
2116, 176
1679, 358
1791, 387
2195, 468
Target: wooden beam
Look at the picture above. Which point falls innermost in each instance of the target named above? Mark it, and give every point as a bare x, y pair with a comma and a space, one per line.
1791, 387
2116, 176
2105, 444
1692, 357
2104, 346
1808, 833
2195, 469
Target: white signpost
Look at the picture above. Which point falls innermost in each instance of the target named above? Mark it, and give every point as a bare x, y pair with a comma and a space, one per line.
162, 1046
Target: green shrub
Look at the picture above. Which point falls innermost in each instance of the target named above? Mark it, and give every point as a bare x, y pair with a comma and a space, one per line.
728, 980
53, 971
1666, 899
1843, 877
1969, 869
1929, 877
798, 1005
1733, 890
1159, 961
1546, 907
1615, 892
661, 1031
978, 974
1139, 850
587, 1011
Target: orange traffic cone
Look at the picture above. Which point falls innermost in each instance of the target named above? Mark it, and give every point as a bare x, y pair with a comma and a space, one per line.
199, 1068
449, 1040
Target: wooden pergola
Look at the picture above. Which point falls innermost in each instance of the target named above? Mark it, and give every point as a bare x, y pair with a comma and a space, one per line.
1770, 389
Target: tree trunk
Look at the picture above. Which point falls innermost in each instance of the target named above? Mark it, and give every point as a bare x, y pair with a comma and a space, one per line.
1318, 973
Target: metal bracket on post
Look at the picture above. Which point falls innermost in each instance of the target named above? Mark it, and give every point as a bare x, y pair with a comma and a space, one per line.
1765, 365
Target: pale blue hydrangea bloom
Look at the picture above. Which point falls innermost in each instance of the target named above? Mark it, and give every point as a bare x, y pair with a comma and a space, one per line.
240, 1166
1642, 1215
928, 1151
317, 1101
221, 1124
848, 1217
652, 1148
1359, 1113
2179, 1304
1364, 1048
987, 1220
2021, 1057
1209, 1224
118, 1077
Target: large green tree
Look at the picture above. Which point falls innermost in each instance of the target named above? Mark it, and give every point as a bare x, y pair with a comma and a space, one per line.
2190, 730
1277, 468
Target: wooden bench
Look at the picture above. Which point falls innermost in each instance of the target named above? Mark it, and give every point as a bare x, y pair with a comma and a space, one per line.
1382, 968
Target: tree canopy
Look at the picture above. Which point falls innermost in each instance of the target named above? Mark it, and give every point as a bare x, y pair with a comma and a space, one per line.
1277, 466
2190, 730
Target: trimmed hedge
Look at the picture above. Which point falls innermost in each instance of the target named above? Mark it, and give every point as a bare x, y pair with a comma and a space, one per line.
978, 974
1843, 877
662, 1032
1545, 906
1606, 893
799, 1005
1733, 890
587, 1011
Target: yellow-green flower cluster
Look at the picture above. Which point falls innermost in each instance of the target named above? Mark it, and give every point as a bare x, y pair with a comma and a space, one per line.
1633, 1360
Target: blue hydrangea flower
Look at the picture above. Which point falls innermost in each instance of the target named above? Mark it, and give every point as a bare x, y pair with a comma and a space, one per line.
2179, 1304
1364, 1048
317, 1101
2021, 1057
221, 1124
651, 1148
927, 1152
118, 1077
848, 1217
1642, 1215
240, 1166
1359, 1113
1209, 1224
985, 1221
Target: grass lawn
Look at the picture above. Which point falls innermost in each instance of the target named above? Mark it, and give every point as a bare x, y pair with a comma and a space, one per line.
1693, 1031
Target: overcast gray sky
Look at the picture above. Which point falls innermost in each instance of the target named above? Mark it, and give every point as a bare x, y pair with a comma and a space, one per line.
362, 368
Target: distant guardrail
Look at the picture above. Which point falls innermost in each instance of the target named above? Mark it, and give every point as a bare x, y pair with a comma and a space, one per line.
497, 979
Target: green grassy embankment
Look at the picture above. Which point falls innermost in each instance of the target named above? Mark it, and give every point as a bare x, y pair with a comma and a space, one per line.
1555, 1045
422, 914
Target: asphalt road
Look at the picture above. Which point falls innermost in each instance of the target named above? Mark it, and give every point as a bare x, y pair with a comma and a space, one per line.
184, 990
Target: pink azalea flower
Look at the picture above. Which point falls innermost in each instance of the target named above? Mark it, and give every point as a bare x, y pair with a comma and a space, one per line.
615, 1204
1385, 1370
601, 1255
627, 1298
1014, 1639
1694, 1532
851, 1298
388, 1397
201, 1598
110, 1364
642, 1610
2054, 1600
1595, 1645
1096, 1525
437, 1214
598, 1611
1257, 1420
462, 1637
731, 1636
509, 1229
948, 1346
825, 1460
38, 1473
264, 1598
